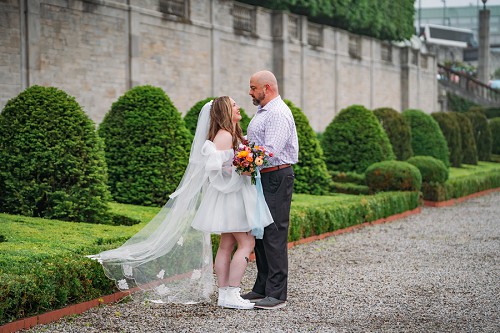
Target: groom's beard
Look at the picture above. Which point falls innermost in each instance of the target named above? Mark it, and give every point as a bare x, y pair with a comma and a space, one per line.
258, 99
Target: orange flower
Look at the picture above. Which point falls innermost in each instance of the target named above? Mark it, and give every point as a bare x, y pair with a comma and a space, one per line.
259, 161
249, 158
243, 153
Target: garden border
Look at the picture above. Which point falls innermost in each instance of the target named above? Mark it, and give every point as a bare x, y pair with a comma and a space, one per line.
74, 309
455, 201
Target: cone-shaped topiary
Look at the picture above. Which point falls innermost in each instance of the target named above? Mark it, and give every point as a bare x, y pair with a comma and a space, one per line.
397, 130
147, 146
354, 140
191, 117
469, 150
311, 175
482, 133
52, 161
451, 130
495, 134
426, 136
393, 176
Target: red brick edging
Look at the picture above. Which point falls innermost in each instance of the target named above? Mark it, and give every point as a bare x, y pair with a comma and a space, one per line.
452, 202
55, 315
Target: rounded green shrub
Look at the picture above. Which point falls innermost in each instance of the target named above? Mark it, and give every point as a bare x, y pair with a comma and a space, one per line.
398, 131
147, 146
451, 130
482, 133
311, 174
469, 150
52, 161
354, 140
431, 169
393, 176
426, 136
495, 135
492, 112
191, 117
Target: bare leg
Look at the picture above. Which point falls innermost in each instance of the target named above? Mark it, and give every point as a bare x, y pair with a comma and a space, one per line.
223, 259
239, 263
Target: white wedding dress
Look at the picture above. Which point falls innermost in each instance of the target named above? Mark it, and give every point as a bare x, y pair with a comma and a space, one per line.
170, 259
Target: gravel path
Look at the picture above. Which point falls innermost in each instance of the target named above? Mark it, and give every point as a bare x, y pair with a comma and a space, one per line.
438, 271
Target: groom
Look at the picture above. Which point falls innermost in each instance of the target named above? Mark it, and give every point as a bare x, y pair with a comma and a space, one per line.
273, 127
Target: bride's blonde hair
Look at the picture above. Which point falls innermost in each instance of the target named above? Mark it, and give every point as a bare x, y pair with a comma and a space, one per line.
221, 117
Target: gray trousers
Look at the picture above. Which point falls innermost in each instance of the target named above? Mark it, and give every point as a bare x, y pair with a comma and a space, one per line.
271, 252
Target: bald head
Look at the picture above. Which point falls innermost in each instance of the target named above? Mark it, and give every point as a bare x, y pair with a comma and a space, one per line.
263, 87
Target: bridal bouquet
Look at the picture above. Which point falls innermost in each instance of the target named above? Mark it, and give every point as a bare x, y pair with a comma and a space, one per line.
248, 157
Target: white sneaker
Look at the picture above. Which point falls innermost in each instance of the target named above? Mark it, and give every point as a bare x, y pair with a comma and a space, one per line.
222, 296
233, 300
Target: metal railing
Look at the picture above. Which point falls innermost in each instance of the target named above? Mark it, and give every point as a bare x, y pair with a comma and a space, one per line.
468, 87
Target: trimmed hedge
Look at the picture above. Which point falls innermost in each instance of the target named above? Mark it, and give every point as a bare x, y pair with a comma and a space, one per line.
32, 284
191, 117
398, 131
469, 149
434, 175
52, 161
462, 186
431, 169
147, 146
457, 103
492, 112
482, 133
311, 175
451, 130
354, 140
393, 176
426, 136
53, 282
495, 135
348, 177
320, 217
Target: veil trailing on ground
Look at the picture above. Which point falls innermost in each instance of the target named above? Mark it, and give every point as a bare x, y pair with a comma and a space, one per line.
169, 259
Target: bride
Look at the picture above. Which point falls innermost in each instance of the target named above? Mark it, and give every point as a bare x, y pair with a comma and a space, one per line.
171, 257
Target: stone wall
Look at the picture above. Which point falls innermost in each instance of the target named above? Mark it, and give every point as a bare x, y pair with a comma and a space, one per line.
97, 50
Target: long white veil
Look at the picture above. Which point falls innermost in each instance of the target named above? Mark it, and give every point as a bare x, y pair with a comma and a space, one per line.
168, 258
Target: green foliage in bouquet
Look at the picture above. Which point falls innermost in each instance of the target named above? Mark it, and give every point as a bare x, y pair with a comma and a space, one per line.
482, 133
426, 136
393, 176
311, 175
354, 140
495, 135
147, 146
451, 130
469, 149
398, 131
191, 117
52, 161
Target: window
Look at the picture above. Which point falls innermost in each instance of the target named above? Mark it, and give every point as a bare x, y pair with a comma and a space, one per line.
294, 27
386, 52
314, 34
178, 8
355, 47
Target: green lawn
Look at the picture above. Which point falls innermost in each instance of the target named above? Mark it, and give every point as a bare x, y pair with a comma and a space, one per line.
28, 236
467, 169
